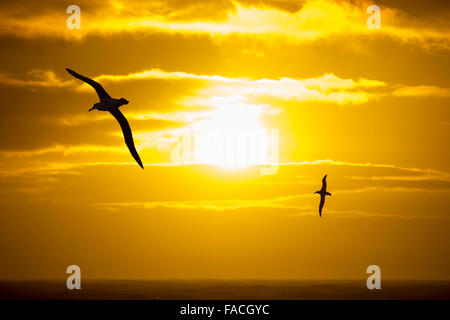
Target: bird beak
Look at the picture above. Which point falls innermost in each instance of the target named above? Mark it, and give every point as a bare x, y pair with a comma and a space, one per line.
91, 109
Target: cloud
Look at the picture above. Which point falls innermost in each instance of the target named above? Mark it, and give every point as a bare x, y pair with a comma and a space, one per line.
422, 91
413, 174
46, 168
424, 174
215, 93
36, 78
61, 149
423, 177
368, 214
213, 205
352, 198
314, 20
326, 88
279, 203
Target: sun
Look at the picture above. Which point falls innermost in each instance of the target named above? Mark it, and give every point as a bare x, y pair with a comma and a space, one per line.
232, 136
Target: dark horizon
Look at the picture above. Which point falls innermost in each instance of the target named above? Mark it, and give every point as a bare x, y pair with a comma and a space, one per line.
228, 290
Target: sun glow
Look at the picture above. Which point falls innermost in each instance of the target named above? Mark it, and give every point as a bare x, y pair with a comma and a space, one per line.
233, 136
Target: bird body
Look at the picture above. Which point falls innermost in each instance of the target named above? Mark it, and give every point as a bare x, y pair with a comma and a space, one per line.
108, 103
112, 105
323, 192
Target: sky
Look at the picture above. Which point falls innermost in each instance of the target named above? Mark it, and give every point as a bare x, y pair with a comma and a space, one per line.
238, 109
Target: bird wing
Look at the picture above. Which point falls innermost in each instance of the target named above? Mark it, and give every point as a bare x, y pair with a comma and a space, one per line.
97, 86
322, 202
126, 134
324, 183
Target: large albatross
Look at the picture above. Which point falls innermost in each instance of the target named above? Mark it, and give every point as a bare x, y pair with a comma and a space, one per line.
112, 105
323, 192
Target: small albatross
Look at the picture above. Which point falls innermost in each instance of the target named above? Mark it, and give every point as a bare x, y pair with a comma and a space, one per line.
112, 105
323, 192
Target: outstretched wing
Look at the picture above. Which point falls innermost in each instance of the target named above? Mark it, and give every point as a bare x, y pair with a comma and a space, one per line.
324, 183
97, 86
322, 202
126, 134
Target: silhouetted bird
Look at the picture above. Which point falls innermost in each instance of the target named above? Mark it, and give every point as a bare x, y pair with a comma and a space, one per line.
112, 105
323, 192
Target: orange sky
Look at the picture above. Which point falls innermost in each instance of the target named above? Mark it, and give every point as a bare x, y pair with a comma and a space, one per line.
368, 107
